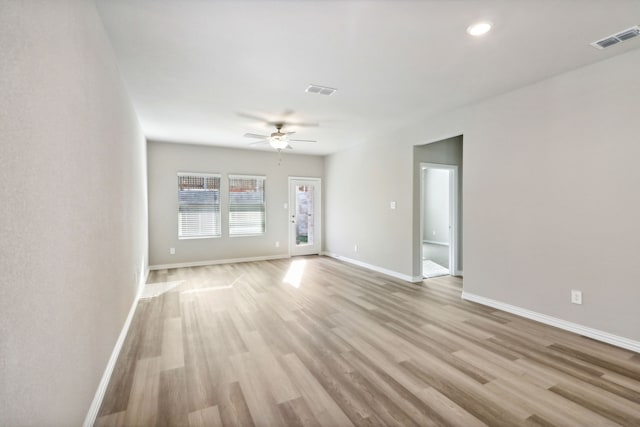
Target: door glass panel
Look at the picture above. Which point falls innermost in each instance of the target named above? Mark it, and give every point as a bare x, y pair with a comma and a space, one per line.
304, 215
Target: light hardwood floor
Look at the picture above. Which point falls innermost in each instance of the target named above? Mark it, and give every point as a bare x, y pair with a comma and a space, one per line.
234, 345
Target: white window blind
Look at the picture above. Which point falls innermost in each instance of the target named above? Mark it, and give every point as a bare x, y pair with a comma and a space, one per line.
247, 212
198, 205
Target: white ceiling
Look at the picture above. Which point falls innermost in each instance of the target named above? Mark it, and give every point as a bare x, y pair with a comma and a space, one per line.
192, 65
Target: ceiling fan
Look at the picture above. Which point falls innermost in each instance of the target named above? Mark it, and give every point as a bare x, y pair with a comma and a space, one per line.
278, 139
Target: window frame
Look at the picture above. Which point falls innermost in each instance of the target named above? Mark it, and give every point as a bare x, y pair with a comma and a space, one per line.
201, 175
230, 204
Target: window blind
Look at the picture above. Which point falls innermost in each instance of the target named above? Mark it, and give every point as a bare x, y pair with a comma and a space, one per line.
247, 212
198, 205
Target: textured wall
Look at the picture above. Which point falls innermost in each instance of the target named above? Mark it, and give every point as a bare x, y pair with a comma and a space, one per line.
73, 210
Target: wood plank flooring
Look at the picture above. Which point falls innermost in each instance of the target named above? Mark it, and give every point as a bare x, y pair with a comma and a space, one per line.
235, 345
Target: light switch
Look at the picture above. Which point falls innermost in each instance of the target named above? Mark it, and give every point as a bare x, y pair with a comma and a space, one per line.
392, 205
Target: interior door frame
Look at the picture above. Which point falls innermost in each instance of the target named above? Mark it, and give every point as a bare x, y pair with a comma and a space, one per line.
453, 213
317, 225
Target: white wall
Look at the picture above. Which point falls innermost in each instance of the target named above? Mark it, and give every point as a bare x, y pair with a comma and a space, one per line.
73, 210
550, 180
436, 206
167, 159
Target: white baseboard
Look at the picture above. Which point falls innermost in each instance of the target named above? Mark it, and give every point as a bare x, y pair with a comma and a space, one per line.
459, 273
216, 262
596, 334
405, 277
92, 414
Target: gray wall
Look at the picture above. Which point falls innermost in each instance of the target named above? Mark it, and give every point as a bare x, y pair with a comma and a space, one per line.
445, 152
165, 160
550, 179
435, 197
360, 183
73, 210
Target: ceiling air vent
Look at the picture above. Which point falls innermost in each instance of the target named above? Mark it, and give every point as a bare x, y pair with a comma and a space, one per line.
604, 43
628, 34
617, 38
322, 90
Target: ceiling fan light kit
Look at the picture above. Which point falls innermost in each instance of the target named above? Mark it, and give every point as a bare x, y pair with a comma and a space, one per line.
278, 139
479, 28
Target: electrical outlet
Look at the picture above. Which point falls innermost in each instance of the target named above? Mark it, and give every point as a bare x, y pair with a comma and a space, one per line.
355, 248
576, 296
172, 251
277, 244
286, 206
392, 205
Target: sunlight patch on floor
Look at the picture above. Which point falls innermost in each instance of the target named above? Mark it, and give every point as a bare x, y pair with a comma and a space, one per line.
294, 275
151, 290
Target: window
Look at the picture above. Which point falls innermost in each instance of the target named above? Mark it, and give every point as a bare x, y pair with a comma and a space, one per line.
246, 205
198, 205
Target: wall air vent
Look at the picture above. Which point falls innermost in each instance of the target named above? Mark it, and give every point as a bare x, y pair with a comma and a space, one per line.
627, 34
321, 90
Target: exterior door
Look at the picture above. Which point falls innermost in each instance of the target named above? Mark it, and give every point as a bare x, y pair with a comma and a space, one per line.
304, 216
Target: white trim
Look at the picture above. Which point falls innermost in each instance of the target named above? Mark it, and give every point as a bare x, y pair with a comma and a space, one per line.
242, 176
229, 204
317, 224
433, 242
200, 237
92, 414
453, 211
200, 174
405, 277
305, 177
459, 273
596, 334
216, 262
232, 236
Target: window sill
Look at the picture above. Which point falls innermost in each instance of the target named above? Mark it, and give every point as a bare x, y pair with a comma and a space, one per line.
199, 237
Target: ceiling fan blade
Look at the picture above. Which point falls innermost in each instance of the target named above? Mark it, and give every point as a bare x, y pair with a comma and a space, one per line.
302, 124
289, 147
255, 135
290, 133
259, 142
303, 140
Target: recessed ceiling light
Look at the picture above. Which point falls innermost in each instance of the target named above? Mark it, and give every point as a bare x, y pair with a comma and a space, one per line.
479, 28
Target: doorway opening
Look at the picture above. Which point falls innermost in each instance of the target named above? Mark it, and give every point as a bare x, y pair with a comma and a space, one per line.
305, 233
438, 219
